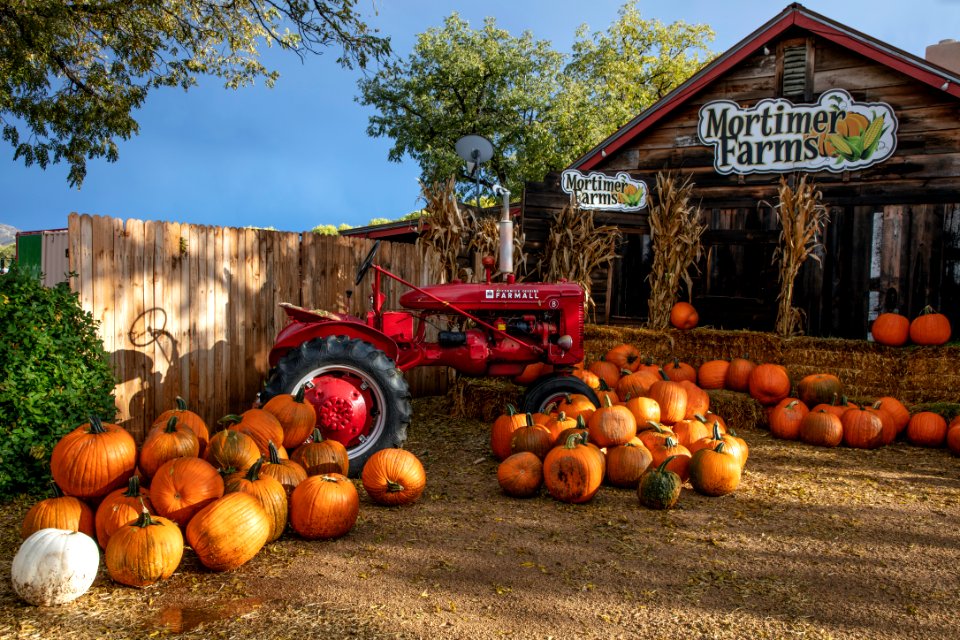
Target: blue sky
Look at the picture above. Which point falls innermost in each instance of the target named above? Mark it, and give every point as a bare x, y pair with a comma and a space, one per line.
297, 156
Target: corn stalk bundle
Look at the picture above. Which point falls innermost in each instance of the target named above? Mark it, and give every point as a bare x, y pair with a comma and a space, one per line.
802, 217
575, 248
675, 233
442, 241
485, 241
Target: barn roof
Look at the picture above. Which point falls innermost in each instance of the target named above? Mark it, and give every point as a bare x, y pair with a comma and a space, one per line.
795, 15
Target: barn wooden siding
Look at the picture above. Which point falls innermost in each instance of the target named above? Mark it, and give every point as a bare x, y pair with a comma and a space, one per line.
892, 242
192, 311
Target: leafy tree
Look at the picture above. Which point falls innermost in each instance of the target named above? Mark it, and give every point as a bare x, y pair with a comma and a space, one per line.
459, 81
540, 108
72, 73
634, 64
54, 373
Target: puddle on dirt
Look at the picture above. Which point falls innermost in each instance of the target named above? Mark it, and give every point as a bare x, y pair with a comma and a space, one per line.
180, 619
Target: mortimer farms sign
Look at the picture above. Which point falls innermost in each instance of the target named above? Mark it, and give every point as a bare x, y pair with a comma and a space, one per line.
600, 191
774, 136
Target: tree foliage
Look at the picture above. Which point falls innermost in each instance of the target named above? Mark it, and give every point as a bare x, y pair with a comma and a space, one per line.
459, 81
72, 73
540, 108
634, 64
54, 373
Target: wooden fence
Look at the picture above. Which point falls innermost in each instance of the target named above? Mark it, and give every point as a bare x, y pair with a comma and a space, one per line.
192, 311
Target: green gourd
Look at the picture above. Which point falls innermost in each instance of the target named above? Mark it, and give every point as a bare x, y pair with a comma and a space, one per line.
659, 488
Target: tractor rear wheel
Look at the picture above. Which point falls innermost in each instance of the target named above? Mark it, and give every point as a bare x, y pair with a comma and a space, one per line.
361, 397
551, 389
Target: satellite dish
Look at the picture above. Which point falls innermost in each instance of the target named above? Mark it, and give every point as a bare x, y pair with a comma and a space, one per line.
474, 149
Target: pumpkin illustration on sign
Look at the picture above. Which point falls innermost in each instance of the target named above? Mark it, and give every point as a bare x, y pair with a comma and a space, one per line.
856, 137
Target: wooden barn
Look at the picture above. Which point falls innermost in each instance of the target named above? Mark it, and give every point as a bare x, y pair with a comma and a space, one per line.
797, 96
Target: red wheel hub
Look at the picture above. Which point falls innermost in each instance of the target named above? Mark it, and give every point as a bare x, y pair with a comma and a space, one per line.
342, 408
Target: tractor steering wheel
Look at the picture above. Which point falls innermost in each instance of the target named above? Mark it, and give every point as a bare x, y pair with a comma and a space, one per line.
367, 262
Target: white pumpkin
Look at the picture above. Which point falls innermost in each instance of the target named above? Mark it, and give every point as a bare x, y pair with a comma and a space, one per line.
55, 566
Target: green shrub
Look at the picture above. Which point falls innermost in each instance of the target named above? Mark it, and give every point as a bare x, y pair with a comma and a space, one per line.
54, 373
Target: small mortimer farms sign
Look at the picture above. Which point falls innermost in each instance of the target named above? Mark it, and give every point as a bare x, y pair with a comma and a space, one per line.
774, 136
600, 191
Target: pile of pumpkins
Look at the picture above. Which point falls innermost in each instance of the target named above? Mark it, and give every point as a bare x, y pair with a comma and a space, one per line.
225, 494
927, 329
652, 432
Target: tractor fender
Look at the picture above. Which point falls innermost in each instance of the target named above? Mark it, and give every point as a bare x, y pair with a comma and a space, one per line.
292, 337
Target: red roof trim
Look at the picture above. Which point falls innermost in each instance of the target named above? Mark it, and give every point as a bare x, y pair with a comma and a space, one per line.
795, 14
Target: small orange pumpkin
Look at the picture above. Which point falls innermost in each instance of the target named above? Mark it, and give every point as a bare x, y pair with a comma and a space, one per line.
927, 429
324, 506
890, 329
58, 512
393, 477
684, 316
521, 475
930, 328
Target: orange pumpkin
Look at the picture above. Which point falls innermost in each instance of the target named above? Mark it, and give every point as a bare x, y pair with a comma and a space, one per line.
521, 475
821, 428
58, 512
930, 328
672, 398
670, 448
232, 451
229, 531
679, 371
626, 463
268, 491
93, 459
684, 316
927, 429
189, 418
861, 429
644, 409
606, 371
573, 471
172, 440
119, 508
285, 471
818, 388
297, 417
953, 438
698, 401
624, 356
320, 456
531, 437
897, 411
144, 551
712, 374
738, 374
715, 472
611, 425
183, 486
393, 477
785, 419
769, 383
262, 426
324, 506
891, 329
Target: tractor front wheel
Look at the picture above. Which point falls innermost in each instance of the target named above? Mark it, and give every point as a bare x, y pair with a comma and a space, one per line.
361, 397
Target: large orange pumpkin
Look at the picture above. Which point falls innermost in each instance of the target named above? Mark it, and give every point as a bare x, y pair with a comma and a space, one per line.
144, 551
172, 440
738, 374
818, 388
93, 459
521, 475
712, 374
189, 418
715, 472
927, 429
861, 429
393, 477
769, 383
891, 329
120, 507
287, 472
324, 506
611, 425
501, 433
183, 486
268, 490
930, 328
624, 356
58, 512
229, 531
296, 416
821, 428
232, 451
626, 463
785, 419
320, 456
672, 398
573, 471
261, 425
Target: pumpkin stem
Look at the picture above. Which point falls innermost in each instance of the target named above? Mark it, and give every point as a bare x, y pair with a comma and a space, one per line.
96, 425
171, 425
663, 465
719, 447
57, 491
603, 385
144, 520
511, 410
716, 430
607, 402
530, 422
574, 439
663, 374
274, 454
229, 419
316, 436
254, 473
394, 487
133, 487
581, 423
181, 404
299, 396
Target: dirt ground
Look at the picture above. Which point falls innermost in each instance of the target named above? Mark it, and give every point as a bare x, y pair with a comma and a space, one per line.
815, 544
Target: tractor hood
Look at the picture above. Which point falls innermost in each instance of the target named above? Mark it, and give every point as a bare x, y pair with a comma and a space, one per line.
492, 296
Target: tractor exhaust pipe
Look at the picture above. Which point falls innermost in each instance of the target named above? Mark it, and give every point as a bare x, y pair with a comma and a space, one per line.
506, 235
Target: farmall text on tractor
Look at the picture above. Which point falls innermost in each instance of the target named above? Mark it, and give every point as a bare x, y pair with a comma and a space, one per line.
352, 368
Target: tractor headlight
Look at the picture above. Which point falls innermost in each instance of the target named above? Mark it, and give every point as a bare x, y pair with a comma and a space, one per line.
565, 342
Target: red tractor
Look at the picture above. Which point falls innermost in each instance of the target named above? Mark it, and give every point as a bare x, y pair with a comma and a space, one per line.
353, 367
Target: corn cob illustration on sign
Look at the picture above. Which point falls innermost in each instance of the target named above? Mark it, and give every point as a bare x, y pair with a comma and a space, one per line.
598, 190
775, 135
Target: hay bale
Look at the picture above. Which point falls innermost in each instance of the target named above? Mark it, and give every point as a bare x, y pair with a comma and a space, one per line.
739, 410
482, 398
